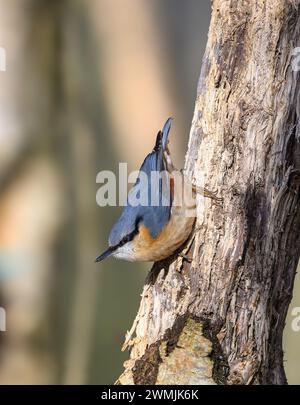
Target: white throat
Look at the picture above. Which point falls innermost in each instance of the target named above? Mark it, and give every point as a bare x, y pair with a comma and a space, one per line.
125, 252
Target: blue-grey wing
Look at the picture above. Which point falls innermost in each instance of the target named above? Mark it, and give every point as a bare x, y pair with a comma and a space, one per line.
154, 180
157, 214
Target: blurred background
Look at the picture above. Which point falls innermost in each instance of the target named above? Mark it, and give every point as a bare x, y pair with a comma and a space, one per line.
87, 85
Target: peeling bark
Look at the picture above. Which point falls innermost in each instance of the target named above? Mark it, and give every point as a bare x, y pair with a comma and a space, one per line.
223, 314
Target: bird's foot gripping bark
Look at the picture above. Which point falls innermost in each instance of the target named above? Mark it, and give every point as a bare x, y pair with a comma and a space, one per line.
208, 194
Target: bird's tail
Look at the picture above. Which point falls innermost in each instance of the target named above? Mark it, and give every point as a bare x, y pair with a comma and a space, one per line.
162, 137
165, 133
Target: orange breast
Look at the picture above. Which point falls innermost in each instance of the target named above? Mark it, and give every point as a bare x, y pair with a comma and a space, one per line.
172, 236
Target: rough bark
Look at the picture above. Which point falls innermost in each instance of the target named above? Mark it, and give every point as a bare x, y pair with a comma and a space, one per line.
219, 319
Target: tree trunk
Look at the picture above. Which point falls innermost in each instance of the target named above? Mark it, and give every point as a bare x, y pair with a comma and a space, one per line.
219, 319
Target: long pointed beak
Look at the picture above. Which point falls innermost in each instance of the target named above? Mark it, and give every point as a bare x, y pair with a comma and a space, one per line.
104, 255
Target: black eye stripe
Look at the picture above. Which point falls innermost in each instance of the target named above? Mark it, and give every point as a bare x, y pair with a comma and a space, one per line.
129, 237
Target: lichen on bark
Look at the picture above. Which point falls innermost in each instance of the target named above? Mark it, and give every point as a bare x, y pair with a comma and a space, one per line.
180, 359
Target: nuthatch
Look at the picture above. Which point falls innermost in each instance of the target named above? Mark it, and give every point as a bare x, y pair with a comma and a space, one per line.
154, 232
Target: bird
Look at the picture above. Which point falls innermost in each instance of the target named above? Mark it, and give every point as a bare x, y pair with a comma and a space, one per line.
153, 232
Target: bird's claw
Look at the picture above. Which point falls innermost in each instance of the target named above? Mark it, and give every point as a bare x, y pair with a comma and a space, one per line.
208, 194
184, 257
212, 195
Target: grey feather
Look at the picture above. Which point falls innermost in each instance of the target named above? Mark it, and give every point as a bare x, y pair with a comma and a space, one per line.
153, 217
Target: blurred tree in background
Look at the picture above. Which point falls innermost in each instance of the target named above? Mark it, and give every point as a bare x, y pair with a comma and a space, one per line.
88, 84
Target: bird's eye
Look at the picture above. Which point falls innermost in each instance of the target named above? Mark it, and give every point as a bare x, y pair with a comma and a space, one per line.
126, 239
129, 237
